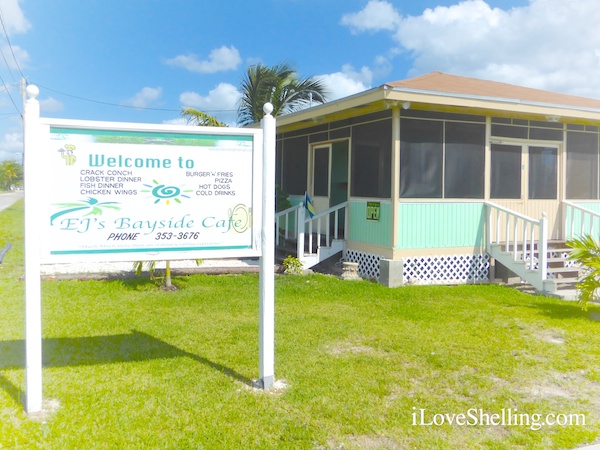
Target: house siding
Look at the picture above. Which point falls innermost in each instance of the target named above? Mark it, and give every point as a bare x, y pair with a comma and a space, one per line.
440, 225
370, 231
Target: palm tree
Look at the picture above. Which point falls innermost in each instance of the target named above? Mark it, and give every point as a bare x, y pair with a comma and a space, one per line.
280, 86
11, 173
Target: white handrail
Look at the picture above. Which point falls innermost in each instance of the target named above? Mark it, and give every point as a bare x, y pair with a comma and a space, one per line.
302, 221
518, 230
511, 212
318, 218
587, 219
284, 216
327, 211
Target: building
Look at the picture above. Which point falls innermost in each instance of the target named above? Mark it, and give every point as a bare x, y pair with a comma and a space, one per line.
440, 176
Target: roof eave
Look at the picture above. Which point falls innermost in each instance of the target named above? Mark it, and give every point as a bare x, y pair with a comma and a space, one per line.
389, 93
333, 107
492, 103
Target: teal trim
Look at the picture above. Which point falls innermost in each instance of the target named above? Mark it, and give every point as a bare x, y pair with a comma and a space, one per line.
370, 231
573, 220
146, 250
148, 137
440, 225
295, 200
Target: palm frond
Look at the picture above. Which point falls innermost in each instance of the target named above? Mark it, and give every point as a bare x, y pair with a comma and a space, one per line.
586, 251
280, 86
200, 118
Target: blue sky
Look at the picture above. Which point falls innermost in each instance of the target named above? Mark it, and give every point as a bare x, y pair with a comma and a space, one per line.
143, 60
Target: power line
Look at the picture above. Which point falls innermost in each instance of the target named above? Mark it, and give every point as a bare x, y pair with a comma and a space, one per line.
10, 45
7, 65
123, 106
70, 95
102, 102
9, 96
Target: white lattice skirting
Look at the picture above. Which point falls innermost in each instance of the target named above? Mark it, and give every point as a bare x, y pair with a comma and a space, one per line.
368, 264
447, 269
444, 269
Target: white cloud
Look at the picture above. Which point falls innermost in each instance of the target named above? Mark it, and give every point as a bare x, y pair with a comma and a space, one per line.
146, 97
220, 60
11, 146
344, 83
376, 16
51, 105
364, 76
221, 102
13, 17
547, 44
20, 54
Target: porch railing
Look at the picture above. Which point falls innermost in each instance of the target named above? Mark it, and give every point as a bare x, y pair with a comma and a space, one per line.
316, 231
580, 221
286, 223
324, 218
515, 239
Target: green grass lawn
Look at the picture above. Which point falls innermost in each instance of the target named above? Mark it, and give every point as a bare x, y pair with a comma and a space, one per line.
127, 365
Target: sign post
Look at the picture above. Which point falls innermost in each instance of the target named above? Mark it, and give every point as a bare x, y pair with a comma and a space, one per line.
267, 260
33, 293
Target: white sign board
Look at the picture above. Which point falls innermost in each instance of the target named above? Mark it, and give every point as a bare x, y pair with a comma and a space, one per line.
121, 193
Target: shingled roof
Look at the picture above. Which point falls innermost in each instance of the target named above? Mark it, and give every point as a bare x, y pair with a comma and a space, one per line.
442, 83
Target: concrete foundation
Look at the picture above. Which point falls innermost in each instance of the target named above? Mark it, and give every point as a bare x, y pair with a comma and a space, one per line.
391, 272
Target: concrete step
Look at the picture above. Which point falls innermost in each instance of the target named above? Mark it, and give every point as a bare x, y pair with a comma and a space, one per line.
563, 269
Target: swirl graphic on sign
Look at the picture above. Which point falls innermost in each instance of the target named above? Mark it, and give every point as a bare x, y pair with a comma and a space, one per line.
91, 206
164, 192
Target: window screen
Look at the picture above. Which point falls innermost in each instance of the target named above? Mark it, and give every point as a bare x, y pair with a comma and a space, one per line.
421, 158
372, 159
543, 173
506, 171
321, 171
295, 157
464, 160
582, 165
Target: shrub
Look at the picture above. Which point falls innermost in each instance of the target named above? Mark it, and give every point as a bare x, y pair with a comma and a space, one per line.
586, 251
292, 265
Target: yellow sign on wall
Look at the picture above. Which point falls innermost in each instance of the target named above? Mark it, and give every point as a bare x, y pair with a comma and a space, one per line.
373, 210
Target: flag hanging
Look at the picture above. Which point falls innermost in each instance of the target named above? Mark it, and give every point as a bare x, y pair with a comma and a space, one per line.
308, 204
